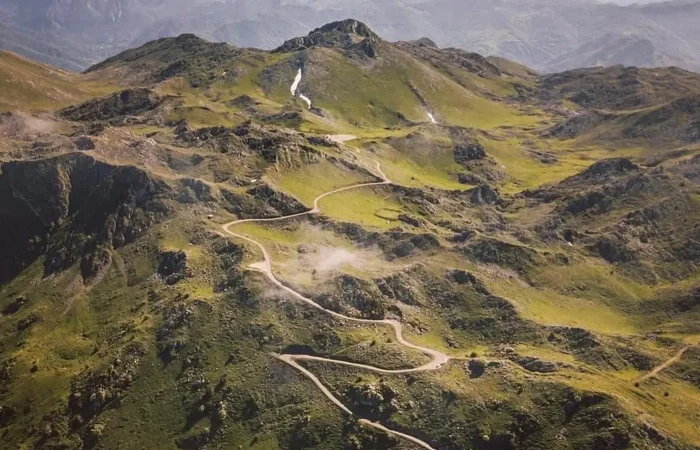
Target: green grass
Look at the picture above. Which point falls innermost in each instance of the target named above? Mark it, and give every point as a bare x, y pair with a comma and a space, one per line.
546, 306
276, 233
309, 181
372, 96
361, 97
370, 207
594, 281
420, 159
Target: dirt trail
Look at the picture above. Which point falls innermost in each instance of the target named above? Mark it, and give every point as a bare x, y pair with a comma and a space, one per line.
438, 359
657, 370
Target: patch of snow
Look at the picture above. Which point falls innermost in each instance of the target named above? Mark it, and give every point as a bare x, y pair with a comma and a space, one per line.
306, 99
432, 118
341, 138
295, 85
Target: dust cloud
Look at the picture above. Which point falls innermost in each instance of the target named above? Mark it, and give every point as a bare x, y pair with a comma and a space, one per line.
21, 124
329, 259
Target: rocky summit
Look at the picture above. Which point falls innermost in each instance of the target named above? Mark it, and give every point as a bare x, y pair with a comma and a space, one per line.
346, 243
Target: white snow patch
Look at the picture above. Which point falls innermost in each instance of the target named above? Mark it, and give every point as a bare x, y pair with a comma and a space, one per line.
306, 99
341, 138
432, 118
295, 87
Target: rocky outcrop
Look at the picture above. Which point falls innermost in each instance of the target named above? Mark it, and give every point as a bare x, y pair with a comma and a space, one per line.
504, 254
73, 208
95, 392
576, 125
402, 245
613, 249
116, 108
677, 120
401, 287
84, 143
349, 35
483, 195
471, 179
172, 266
690, 169
449, 58
373, 398
356, 296
532, 364
595, 202
471, 154
462, 277
221, 139
425, 42
606, 170
193, 191
261, 202
466, 152
278, 201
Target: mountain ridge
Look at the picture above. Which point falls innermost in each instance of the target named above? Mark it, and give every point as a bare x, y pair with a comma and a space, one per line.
652, 34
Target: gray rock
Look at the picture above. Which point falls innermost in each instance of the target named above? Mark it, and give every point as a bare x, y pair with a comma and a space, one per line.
537, 365
84, 143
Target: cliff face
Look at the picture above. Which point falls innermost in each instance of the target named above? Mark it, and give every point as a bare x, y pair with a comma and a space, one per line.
70, 208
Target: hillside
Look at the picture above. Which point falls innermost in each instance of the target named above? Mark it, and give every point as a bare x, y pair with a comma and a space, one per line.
548, 35
347, 243
31, 86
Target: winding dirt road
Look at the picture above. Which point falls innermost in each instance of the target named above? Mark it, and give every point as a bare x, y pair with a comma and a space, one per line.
657, 370
438, 359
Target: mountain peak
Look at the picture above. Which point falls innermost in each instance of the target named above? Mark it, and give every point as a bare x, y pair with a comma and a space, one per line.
349, 26
346, 35
425, 42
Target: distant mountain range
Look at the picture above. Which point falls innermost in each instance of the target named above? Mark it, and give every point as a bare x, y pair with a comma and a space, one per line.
548, 35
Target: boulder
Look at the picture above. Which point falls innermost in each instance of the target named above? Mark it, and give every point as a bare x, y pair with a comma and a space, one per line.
172, 266
471, 179
469, 152
483, 195
537, 365
84, 143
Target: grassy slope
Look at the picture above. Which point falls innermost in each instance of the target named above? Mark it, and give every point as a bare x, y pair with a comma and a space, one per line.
30, 86
369, 94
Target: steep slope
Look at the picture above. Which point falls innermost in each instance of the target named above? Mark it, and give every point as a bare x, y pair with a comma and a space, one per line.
32, 86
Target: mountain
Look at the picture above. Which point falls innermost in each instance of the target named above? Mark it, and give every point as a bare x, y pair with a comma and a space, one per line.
347, 243
548, 35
